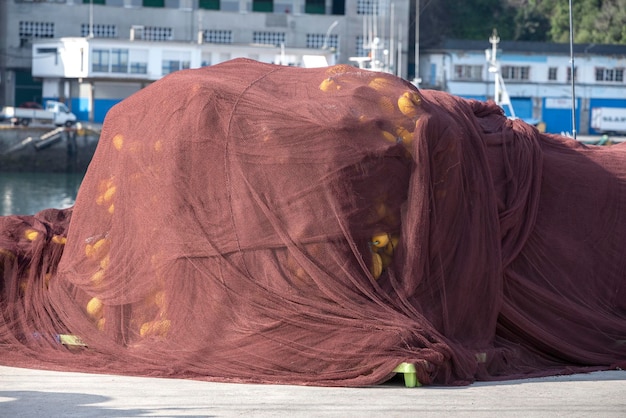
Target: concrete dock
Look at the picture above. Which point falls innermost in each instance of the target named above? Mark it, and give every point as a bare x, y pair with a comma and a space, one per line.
38, 393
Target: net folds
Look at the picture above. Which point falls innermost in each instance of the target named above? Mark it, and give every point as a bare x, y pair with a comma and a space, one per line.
248, 222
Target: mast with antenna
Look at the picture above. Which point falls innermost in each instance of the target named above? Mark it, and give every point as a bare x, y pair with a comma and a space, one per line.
573, 68
501, 96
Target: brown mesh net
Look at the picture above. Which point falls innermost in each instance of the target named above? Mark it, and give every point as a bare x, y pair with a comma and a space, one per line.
256, 223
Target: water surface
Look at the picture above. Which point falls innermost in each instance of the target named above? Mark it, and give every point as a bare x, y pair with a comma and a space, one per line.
29, 193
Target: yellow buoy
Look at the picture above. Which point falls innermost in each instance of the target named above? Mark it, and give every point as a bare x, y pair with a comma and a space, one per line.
31, 234
118, 141
407, 103
377, 265
58, 239
97, 277
159, 327
95, 308
380, 240
329, 84
392, 245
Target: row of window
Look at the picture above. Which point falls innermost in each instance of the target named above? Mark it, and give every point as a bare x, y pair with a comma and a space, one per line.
310, 6
522, 73
150, 33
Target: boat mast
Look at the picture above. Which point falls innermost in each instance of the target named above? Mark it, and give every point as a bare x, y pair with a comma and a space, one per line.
501, 96
573, 68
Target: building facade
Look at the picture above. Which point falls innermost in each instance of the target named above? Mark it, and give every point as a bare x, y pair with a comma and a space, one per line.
154, 37
93, 53
537, 78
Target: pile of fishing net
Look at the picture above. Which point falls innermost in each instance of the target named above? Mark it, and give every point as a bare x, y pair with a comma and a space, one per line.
248, 222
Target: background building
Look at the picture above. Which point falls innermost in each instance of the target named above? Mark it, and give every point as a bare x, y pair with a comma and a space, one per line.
174, 34
537, 77
91, 54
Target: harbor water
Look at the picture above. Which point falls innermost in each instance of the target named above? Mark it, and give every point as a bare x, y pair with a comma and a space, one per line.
26, 193
42, 167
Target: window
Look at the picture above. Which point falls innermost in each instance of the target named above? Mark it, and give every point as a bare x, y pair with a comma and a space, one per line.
209, 4
360, 47
138, 61
95, 1
613, 75
174, 61
216, 36
116, 60
316, 40
569, 73
268, 38
50, 52
119, 60
262, 5
515, 73
468, 72
153, 3
552, 74
339, 7
138, 68
100, 60
315, 7
47, 50
99, 31
367, 7
36, 30
153, 33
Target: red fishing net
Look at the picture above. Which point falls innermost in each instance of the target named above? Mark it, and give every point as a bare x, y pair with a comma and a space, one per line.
257, 223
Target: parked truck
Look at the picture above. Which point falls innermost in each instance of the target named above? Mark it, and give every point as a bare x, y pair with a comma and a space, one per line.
609, 120
54, 112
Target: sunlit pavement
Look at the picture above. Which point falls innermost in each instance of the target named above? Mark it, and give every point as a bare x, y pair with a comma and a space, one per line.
37, 393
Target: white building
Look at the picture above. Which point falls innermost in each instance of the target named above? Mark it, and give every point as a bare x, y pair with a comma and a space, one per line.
93, 53
537, 78
92, 74
57, 48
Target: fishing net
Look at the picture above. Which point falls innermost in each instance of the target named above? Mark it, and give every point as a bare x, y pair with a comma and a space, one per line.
247, 222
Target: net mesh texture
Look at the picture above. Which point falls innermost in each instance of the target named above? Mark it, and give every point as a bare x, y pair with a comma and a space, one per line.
248, 222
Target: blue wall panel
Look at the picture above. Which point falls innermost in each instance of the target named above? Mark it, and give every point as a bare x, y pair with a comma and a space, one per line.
559, 120
80, 107
101, 107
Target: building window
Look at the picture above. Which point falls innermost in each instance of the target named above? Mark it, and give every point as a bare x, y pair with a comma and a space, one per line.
119, 60
339, 7
360, 47
569, 73
174, 61
36, 30
316, 40
169, 66
100, 61
216, 36
367, 7
138, 61
138, 68
515, 73
99, 31
613, 75
94, 1
49, 52
268, 38
315, 7
153, 3
153, 33
552, 74
262, 5
468, 72
209, 4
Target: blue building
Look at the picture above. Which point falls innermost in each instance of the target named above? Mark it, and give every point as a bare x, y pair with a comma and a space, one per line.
538, 80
